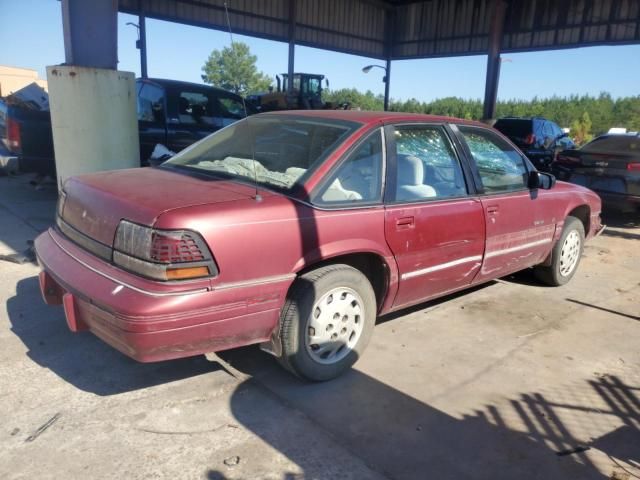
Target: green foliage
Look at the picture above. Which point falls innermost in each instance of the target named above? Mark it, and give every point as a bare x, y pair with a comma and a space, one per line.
234, 68
357, 99
581, 129
586, 114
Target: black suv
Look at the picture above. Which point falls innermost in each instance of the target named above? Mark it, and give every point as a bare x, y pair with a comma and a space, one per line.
540, 139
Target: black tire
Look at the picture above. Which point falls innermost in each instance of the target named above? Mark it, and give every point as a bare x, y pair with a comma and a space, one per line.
296, 314
551, 275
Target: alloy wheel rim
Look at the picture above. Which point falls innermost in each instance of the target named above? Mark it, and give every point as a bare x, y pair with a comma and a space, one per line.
570, 253
335, 325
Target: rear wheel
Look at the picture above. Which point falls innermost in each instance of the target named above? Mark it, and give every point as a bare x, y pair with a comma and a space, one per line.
327, 322
565, 256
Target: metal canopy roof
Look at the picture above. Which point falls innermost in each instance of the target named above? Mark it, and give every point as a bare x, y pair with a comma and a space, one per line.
404, 29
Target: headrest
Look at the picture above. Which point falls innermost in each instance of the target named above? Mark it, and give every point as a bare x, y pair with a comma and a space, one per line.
410, 170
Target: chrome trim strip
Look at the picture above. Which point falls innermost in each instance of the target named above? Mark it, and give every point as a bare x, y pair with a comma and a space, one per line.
259, 281
524, 246
221, 286
442, 266
120, 282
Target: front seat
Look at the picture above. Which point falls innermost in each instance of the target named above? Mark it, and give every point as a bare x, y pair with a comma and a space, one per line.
411, 178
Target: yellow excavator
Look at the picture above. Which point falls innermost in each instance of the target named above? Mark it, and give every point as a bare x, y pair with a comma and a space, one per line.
306, 94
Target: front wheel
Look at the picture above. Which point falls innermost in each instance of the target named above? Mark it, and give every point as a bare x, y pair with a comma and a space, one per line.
565, 256
327, 322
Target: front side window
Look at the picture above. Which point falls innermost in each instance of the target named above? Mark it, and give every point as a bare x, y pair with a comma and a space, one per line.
275, 150
358, 179
501, 168
427, 167
194, 108
228, 110
150, 103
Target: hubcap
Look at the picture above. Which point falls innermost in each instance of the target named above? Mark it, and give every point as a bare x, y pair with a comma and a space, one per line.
570, 253
335, 325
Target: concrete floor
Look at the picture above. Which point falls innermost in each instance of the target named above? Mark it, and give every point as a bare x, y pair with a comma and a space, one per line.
500, 382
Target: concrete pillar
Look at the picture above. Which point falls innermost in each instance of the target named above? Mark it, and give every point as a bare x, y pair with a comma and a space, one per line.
93, 106
493, 60
94, 121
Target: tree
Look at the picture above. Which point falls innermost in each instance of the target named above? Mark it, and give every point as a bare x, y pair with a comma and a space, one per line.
234, 68
581, 129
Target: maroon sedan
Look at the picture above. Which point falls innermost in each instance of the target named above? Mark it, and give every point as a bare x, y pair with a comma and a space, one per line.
297, 229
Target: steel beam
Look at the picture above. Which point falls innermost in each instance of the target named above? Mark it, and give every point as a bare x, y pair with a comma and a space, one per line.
292, 47
143, 45
90, 33
493, 61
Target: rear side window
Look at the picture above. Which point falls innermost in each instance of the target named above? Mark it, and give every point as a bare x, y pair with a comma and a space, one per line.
427, 167
614, 144
207, 109
515, 128
501, 168
358, 180
151, 103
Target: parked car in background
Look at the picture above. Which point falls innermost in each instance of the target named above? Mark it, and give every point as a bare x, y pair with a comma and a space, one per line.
609, 165
540, 139
297, 229
177, 114
26, 142
172, 113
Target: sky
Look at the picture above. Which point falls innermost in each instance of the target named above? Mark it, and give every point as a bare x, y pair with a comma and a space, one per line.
31, 37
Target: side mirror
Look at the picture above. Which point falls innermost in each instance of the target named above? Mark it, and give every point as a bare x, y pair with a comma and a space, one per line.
542, 180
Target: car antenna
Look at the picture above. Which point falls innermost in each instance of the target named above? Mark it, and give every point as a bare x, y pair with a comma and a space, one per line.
257, 196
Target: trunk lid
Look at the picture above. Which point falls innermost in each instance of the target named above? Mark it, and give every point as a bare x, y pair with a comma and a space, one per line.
96, 203
603, 172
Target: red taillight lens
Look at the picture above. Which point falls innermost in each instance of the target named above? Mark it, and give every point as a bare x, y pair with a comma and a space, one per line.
162, 254
175, 247
531, 139
633, 167
13, 135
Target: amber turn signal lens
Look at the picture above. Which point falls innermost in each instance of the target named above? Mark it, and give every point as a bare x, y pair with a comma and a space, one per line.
187, 272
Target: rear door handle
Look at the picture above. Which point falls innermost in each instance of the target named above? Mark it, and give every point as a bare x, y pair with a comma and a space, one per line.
492, 209
405, 222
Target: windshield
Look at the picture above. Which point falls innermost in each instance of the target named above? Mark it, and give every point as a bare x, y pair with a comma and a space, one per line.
614, 144
274, 150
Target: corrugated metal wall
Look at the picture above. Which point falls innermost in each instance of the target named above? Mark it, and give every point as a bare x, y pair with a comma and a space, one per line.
421, 29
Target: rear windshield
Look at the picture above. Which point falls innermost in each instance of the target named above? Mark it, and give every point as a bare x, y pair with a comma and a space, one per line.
274, 150
614, 144
514, 128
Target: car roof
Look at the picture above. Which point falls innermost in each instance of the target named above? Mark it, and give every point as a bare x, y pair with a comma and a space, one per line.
368, 117
180, 84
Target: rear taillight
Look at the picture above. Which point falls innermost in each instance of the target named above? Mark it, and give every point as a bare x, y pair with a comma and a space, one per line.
633, 167
13, 135
530, 139
162, 254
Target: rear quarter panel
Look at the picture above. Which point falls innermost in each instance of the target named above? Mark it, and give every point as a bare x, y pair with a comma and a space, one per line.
252, 240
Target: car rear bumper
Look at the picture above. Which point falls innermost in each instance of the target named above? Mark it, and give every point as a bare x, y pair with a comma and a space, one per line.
152, 325
619, 201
